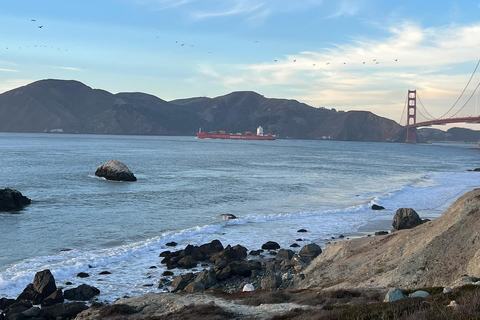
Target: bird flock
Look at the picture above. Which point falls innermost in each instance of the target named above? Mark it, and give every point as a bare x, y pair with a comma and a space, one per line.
38, 46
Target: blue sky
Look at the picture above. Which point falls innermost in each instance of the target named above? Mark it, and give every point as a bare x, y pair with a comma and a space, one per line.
309, 50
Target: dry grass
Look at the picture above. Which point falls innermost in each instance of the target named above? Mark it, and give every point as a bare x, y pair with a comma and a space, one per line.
197, 312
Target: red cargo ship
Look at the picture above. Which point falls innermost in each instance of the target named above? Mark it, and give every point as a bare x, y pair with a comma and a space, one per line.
239, 136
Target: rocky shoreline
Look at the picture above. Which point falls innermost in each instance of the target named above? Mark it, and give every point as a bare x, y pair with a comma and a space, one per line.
230, 282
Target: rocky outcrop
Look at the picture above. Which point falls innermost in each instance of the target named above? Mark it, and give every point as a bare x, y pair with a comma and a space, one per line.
377, 207
228, 216
406, 218
435, 253
42, 287
83, 292
12, 200
115, 170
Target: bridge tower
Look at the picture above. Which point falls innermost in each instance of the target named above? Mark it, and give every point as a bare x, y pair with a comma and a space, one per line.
412, 116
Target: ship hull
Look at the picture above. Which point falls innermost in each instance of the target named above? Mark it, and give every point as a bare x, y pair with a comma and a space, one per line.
202, 135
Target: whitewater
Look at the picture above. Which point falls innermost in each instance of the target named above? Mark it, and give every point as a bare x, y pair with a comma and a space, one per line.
81, 223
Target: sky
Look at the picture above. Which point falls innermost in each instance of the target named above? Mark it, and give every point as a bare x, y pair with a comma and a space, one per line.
341, 54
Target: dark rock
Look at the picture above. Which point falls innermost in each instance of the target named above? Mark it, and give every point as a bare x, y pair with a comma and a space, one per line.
179, 283
381, 233
406, 218
83, 275
44, 283
211, 248
104, 272
207, 278
68, 283
341, 236
115, 170
5, 303
299, 239
167, 273
476, 169
171, 244
164, 254
310, 250
12, 200
294, 245
193, 287
64, 310
270, 245
284, 254
15, 311
255, 252
54, 298
189, 277
377, 207
152, 267
29, 294
83, 292
271, 282
230, 254
302, 230
32, 312
272, 253
228, 216
187, 262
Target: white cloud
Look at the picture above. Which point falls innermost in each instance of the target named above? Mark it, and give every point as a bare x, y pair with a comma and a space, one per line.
240, 8
427, 60
66, 68
7, 70
346, 8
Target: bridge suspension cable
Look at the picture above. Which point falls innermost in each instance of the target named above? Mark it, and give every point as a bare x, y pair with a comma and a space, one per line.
474, 91
425, 109
466, 86
403, 112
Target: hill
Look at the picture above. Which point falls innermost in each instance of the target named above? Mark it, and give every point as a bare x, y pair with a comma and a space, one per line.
436, 253
71, 106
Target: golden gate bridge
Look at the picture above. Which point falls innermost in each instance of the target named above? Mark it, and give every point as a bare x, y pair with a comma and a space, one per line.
460, 112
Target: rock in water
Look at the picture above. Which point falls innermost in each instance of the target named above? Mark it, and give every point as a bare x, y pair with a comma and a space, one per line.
228, 216
406, 218
115, 170
377, 207
12, 200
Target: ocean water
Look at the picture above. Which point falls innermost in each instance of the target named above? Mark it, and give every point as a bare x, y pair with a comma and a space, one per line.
81, 223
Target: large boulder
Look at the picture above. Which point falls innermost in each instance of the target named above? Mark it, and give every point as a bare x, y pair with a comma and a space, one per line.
406, 218
115, 170
207, 278
12, 200
270, 245
83, 292
310, 250
394, 294
44, 283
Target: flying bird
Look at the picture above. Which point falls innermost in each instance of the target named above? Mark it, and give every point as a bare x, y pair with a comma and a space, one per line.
363, 62
295, 60
396, 59
314, 64
275, 60
182, 44
328, 63
40, 27
33, 20
344, 63
377, 62
374, 59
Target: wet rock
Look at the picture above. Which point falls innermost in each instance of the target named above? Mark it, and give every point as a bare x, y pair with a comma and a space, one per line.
406, 218
104, 273
12, 200
115, 170
270, 245
152, 267
302, 230
284, 254
294, 245
341, 236
83, 275
227, 216
310, 250
187, 262
377, 207
164, 254
29, 294
54, 298
171, 244
255, 252
32, 312
64, 310
5, 303
299, 239
83, 292
381, 233
167, 273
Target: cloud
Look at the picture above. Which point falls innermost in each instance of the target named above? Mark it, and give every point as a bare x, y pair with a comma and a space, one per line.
8, 70
66, 68
347, 8
240, 8
436, 61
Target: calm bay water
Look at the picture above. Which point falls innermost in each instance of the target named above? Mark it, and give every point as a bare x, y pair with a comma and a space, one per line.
185, 184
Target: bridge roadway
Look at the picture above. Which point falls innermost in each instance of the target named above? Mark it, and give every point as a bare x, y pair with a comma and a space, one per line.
444, 121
